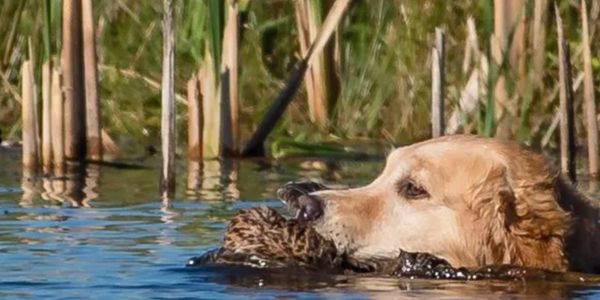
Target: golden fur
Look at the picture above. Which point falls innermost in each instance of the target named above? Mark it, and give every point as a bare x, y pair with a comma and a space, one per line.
486, 202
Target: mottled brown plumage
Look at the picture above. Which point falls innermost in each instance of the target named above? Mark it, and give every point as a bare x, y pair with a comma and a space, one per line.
261, 237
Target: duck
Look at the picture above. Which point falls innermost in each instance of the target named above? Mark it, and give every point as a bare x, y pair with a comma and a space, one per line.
261, 237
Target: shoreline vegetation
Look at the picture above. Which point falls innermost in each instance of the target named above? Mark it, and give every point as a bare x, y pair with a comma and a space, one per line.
371, 82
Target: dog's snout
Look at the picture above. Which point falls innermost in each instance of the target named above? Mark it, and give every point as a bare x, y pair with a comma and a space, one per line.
310, 208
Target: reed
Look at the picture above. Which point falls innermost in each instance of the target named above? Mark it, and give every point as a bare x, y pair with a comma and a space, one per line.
229, 83
46, 118
386, 92
255, 146
46, 92
320, 81
211, 107
567, 114
73, 83
437, 84
57, 124
92, 103
167, 178
538, 41
29, 128
508, 52
588, 95
195, 120
210, 72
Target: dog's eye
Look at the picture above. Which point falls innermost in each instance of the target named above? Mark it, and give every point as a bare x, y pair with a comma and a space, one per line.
408, 189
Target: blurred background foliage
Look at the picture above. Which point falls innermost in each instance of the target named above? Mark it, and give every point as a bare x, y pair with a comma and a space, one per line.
383, 61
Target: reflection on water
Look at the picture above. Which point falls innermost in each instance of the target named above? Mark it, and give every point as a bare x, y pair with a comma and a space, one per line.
77, 188
101, 231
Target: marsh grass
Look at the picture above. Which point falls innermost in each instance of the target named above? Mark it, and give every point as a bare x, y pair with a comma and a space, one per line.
384, 66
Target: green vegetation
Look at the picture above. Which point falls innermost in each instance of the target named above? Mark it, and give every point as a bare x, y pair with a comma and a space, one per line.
383, 61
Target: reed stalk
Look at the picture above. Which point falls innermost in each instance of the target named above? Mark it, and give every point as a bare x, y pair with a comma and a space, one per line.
255, 146
508, 52
229, 85
28, 115
211, 107
320, 92
167, 178
46, 118
57, 124
567, 124
588, 95
538, 41
195, 120
437, 84
73, 85
92, 114
46, 92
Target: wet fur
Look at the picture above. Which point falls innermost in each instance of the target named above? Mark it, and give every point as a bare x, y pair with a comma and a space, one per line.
509, 206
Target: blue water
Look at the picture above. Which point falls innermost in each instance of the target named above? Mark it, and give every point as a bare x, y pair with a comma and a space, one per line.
105, 234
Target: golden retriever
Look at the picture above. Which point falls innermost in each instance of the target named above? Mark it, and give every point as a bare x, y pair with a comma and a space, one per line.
473, 201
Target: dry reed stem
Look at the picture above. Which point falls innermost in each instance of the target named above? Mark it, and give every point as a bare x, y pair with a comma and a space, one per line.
556, 119
57, 123
255, 144
538, 41
229, 66
46, 118
167, 178
195, 122
72, 67
211, 132
588, 96
93, 120
28, 111
567, 124
508, 18
316, 76
437, 84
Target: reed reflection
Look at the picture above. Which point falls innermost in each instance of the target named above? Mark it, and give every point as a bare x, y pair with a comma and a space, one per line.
77, 188
212, 179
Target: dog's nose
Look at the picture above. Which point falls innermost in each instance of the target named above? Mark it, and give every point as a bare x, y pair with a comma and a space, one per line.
310, 208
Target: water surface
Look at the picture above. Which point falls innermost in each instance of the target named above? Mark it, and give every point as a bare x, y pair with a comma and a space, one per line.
105, 234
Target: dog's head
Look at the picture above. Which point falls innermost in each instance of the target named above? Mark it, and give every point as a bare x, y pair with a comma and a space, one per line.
472, 201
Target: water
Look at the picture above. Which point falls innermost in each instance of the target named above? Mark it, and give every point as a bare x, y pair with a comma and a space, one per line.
109, 236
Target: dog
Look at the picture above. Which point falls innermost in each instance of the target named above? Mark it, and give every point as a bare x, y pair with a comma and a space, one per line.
469, 200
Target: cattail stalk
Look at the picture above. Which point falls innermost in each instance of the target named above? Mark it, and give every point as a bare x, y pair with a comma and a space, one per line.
319, 90
57, 124
567, 124
437, 84
211, 130
46, 118
588, 96
167, 179
229, 84
94, 137
539, 40
72, 66
195, 120
28, 115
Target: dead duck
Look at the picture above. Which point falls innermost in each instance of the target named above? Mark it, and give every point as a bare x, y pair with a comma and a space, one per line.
261, 237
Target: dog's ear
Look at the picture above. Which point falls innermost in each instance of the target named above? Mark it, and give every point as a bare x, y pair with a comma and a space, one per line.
539, 225
523, 223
